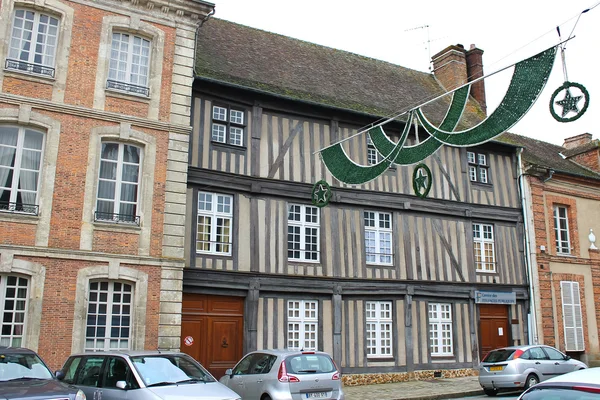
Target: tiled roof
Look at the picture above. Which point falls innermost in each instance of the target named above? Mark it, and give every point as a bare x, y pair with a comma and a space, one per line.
236, 54
546, 155
594, 144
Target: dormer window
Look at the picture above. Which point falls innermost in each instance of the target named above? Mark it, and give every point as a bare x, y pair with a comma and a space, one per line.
33, 43
228, 125
129, 64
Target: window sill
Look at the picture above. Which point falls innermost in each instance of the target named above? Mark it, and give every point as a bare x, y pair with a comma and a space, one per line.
29, 76
213, 255
227, 146
308, 262
117, 227
486, 272
373, 359
482, 186
127, 96
375, 265
22, 218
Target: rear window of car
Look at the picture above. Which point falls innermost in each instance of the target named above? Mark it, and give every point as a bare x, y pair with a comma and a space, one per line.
309, 364
561, 394
499, 355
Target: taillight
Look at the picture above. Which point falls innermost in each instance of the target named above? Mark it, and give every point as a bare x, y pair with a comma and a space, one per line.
308, 352
282, 375
518, 353
337, 375
587, 389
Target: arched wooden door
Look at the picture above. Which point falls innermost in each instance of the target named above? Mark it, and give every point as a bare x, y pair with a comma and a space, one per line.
212, 330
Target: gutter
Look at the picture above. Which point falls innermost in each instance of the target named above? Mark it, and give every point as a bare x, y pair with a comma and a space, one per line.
210, 14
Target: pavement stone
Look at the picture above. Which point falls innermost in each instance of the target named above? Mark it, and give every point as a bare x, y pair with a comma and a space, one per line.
432, 389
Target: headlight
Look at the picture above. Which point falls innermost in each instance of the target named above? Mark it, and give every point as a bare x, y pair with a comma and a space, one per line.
80, 395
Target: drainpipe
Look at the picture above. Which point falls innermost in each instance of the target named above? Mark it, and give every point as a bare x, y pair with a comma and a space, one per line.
533, 335
196, 36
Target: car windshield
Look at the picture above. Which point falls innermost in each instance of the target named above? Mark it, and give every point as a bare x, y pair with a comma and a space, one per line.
309, 364
553, 393
499, 355
22, 366
169, 368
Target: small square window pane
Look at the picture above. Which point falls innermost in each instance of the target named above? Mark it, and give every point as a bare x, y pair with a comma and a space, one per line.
236, 117
220, 113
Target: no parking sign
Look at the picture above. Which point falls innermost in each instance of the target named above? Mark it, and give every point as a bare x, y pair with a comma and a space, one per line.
188, 341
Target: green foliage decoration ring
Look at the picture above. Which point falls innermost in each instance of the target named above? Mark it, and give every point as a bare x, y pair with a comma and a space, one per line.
566, 86
422, 180
321, 193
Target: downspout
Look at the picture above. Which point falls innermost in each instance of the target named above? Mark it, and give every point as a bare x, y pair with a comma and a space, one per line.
196, 36
533, 337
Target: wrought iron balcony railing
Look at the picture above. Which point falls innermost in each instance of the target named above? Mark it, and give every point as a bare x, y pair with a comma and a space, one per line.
117, 218
30, 67
19, 207
128, 87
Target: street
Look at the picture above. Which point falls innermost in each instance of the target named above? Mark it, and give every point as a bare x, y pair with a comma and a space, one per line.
503, 396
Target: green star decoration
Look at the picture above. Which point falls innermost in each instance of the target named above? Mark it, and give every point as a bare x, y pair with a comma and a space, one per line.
422, 180
321, 194
569, 103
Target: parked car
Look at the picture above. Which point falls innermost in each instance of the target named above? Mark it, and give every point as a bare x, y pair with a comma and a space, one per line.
578, 385
520, 367
284, 374
23, 375
141, 375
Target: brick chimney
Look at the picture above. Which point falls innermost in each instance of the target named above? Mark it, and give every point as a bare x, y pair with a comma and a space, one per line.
454, 66
583, 150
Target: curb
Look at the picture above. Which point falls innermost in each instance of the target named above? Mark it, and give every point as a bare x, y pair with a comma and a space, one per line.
467, 393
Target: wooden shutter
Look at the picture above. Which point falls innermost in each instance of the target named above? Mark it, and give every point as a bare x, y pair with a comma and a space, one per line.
572, 319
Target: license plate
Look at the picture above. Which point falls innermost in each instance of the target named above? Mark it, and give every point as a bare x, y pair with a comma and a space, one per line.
317, 395
496, 368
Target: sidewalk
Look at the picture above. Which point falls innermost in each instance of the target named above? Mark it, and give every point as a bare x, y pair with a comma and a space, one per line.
432, 389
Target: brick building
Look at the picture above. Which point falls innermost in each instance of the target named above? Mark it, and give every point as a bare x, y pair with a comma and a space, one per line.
94, 125
562, 189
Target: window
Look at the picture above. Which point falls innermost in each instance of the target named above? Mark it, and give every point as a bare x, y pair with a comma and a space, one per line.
33, 42
228, 125
303, 321
108, 323
14, 291
478, 167
561, 230
373, 156
483, 240
303, 233
118, 183
215, 215
379, 328
129, 64
378, 237
20, 163
572, 317
440, 329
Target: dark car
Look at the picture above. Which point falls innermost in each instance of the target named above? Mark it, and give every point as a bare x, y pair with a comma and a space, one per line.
23, 375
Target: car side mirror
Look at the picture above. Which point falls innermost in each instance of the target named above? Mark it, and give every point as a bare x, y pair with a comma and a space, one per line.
567, 358
229, 372
121, 385
59, 375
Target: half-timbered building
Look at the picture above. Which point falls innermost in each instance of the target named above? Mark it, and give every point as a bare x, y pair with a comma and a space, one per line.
387, 281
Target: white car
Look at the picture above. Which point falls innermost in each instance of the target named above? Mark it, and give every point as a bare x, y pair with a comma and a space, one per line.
578, 385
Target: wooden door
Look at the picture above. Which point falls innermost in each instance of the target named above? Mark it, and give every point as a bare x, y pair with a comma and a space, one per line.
493, 327
212, 330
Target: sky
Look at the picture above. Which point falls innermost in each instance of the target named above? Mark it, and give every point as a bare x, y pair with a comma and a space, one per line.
409, 32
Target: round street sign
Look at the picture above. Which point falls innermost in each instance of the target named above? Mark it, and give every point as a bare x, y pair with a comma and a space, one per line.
188, 341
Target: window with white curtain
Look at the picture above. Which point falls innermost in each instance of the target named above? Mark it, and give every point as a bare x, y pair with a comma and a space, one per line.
14, 293
379, 328
483, 242
303, 233
33, 41
129, 65
118, 183
20, 163
303, 324
214, 223
378, 237
572, 316
561, 230
440, 329
109, 316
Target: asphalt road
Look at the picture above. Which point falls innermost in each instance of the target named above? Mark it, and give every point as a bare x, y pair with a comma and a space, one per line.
502, 396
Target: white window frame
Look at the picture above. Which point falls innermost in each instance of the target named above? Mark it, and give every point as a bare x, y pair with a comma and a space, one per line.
440, 329
378, 237
17, 168
103, 342
373, 156
134, 81
478, 167
215, 210
18, 314
46, 66
483, 241
303, 325
117, 215
379, 323
572, 316
305, 231
561, 233
228, 125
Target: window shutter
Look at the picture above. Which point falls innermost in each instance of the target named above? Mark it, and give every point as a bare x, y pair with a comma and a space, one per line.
572, 318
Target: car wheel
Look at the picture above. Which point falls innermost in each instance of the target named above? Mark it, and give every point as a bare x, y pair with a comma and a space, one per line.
531, 380
490, 392
266, 397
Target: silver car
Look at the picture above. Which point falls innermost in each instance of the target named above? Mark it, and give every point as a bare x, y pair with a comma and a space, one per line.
285, 375
577, 385
520, 367
142, 375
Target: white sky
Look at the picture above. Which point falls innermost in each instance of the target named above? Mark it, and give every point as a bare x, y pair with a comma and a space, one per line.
506, 30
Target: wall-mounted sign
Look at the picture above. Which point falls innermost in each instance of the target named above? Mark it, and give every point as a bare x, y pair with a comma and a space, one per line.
495, 297
188, 341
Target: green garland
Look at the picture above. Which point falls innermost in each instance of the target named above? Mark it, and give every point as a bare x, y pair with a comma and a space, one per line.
566, 87
421, 181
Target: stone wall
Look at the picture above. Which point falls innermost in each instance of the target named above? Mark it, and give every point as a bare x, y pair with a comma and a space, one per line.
395, 377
